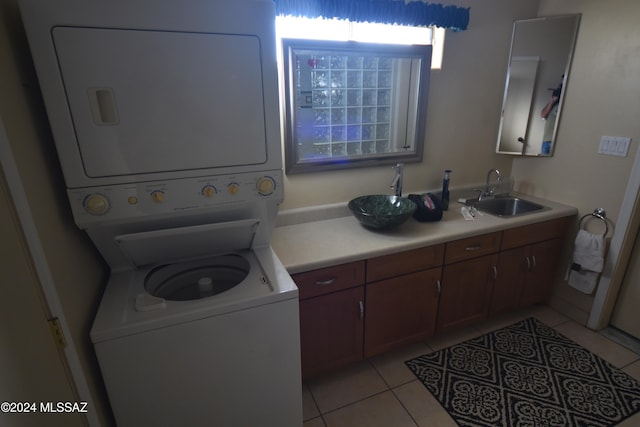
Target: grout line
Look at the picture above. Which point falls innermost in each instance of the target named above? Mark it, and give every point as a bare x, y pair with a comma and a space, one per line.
402, 403
388, 388
404, 407
354, 402
373, 365
314, 402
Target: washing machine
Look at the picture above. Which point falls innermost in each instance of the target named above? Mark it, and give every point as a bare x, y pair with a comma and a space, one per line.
208, 341
165, 118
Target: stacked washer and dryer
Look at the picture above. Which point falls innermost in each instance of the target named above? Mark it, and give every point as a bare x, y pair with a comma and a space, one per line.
166, 121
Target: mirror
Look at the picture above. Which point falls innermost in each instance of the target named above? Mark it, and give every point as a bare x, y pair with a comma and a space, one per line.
541, 51
352, 104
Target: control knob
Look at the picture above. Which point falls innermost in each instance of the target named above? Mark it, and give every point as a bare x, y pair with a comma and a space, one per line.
157, 196
96, 204
266, 185
233, 188
209, 191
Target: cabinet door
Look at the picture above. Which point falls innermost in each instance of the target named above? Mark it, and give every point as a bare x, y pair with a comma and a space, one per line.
331, 329
543, 258
512, 266
400, 310
466, 292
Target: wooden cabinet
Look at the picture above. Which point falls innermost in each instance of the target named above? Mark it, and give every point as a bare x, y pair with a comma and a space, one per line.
538, 280
402, 307
343, 320
467, 281
331, 329
527, 264
331, 317
509, 280
361, 309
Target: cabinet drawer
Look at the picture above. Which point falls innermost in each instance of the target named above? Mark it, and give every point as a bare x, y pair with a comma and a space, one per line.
404, 262
527, 234
330, 279
472, 247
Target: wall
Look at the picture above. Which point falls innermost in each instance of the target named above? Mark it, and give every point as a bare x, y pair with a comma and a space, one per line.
602, 98
465, 98
77, 269
464, 103
32, 367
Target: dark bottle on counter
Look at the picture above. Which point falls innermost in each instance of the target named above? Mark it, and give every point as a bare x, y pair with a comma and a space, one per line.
445, 190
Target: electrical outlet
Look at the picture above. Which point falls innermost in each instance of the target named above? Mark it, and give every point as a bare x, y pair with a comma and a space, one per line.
614, 145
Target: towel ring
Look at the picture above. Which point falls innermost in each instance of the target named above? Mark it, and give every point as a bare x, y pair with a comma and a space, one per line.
599, 213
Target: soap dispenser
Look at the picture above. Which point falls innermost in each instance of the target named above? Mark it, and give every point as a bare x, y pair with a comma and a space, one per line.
445, 189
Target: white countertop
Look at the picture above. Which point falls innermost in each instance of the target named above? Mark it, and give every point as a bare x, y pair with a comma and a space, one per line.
326, 242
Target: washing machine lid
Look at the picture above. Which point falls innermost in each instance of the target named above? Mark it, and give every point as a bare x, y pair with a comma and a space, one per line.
182, 243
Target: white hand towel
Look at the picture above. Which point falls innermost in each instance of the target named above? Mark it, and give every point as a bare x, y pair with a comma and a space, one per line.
587, 261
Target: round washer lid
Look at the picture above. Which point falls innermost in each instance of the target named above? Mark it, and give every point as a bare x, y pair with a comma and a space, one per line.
197, 279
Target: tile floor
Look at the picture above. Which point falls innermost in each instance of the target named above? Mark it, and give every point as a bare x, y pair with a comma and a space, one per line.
383, 392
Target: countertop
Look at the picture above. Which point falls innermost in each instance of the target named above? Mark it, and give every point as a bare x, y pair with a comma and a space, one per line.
322, 242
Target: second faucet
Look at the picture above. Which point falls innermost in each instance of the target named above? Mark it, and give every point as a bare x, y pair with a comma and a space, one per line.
488, 189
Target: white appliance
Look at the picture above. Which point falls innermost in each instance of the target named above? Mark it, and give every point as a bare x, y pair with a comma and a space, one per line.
165, 118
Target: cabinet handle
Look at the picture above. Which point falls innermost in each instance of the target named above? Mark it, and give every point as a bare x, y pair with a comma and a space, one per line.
473, 248
495, 272
439, 284
326, 282
528, 263
533, 257
361, 306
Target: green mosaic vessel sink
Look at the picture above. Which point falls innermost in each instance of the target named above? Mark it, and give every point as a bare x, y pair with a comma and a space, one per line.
381, 211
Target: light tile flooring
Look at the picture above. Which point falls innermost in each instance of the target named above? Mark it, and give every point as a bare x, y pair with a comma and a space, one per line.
383, 392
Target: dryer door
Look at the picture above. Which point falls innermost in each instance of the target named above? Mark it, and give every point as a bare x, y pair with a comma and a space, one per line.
158, 101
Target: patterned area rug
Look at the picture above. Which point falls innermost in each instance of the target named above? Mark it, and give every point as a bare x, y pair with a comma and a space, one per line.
527, 374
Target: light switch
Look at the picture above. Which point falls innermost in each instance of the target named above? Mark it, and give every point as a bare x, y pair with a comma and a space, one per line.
614, 145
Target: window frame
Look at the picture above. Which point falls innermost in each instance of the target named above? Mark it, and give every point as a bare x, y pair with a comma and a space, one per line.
293, 161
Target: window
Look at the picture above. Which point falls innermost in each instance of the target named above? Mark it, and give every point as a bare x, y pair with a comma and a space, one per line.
353, 103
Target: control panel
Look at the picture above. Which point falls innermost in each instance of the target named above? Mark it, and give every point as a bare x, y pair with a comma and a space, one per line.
119, 202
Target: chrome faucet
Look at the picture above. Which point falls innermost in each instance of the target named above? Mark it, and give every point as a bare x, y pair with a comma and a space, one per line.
488, 189
396, 184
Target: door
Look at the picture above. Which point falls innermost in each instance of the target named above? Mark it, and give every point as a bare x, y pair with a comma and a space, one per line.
32, 368
466, 292
625, 313
331, 331
401, 310
541, 264
159, 101
509, 280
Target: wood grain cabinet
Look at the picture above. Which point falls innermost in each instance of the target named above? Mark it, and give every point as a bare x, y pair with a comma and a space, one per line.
527, 263
467, 280
364, 308
331, 317
401, 298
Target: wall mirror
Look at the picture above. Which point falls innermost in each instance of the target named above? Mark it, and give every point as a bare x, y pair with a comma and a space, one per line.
541, 51
352, 104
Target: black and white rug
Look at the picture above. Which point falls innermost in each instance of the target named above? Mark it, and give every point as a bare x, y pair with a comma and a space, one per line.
527, 374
